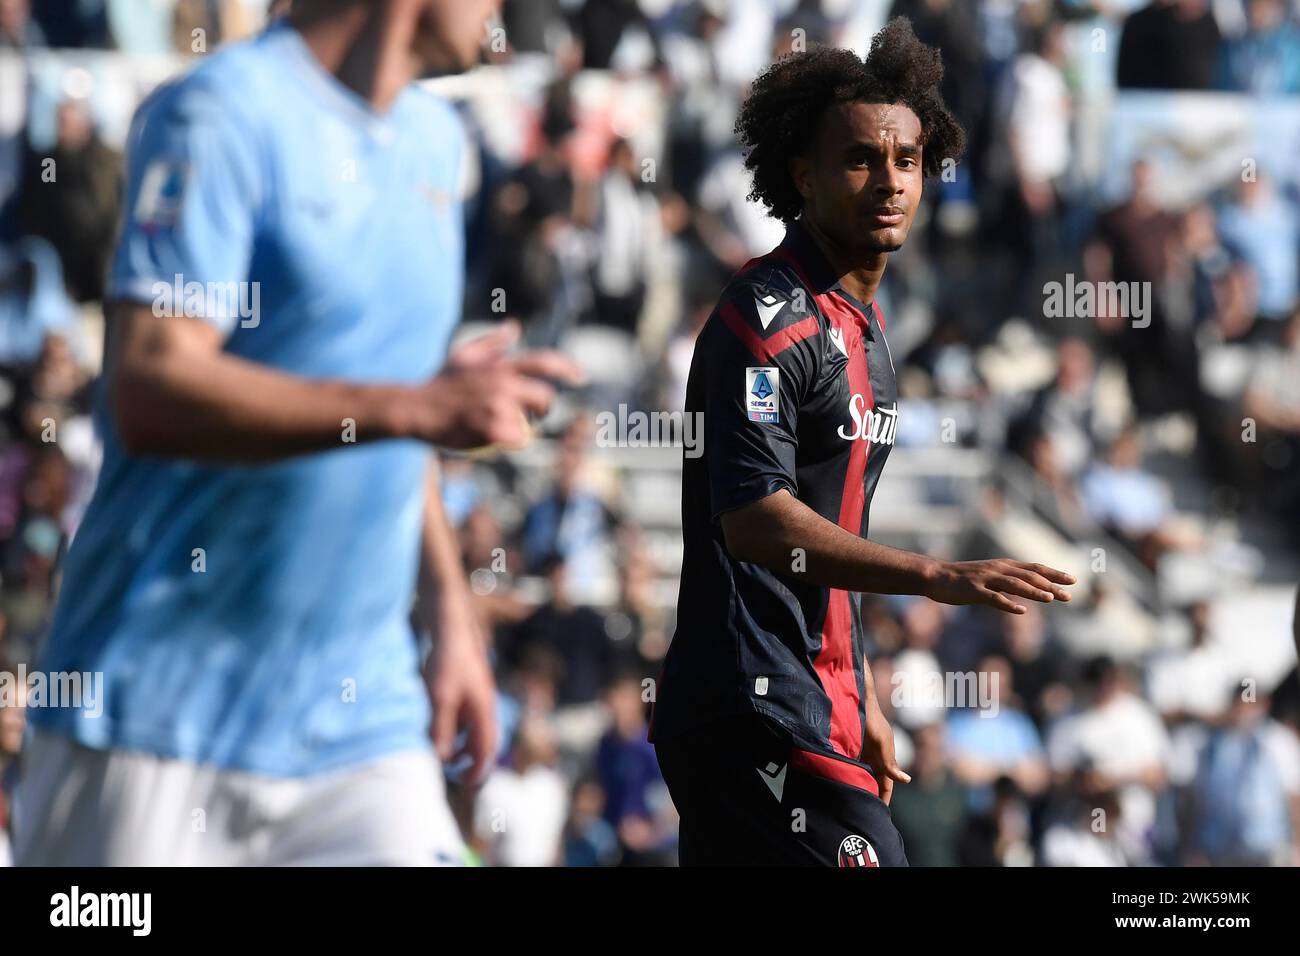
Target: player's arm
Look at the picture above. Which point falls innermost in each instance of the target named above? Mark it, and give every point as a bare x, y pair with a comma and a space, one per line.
458, 674
199, 189
174, 392
878, 741
776, 530
751, 444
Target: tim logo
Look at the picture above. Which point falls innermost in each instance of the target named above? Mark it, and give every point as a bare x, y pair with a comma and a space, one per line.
875, 425
855, 851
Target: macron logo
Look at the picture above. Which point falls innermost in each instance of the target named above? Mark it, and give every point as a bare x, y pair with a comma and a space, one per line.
837, 339
103, 909
768, 307
774, 777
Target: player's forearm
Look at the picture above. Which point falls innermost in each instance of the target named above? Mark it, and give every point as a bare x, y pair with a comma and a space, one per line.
444, 591
785, 535
175, 393
869, 685
224, 409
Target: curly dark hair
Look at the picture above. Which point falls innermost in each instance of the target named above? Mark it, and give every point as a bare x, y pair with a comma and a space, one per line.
787, 102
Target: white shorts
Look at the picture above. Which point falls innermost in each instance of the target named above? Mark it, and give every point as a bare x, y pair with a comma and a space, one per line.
76, 806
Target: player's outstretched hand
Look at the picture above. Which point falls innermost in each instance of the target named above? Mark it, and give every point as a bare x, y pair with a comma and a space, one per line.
995, 583
484, 395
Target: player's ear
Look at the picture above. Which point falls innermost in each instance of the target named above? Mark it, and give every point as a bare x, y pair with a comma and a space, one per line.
800, 169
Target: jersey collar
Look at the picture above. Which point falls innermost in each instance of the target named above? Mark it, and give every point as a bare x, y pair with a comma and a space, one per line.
327, 87
800, 247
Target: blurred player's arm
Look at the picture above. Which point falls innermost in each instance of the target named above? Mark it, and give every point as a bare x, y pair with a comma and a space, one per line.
197, 192
778, 529
458, 674
175, 392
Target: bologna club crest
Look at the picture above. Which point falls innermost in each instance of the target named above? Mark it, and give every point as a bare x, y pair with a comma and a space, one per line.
855, 851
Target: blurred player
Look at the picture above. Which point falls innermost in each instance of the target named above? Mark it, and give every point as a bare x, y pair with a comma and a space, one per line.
767, 726
244, 575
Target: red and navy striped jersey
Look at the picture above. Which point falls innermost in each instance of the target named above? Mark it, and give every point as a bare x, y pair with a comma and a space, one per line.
795, 384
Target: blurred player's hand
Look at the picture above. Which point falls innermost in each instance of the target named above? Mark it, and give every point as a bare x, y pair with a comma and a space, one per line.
878, 750
993, 583
462, 690
484, 396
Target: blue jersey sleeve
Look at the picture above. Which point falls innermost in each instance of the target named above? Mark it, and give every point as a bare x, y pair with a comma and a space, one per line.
194, 188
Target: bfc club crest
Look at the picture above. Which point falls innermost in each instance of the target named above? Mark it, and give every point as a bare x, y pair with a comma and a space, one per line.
855, 851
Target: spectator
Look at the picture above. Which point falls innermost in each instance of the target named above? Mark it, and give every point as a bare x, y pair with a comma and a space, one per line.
995, 738
1132, 246
74, 23
1038, 446
930, 812
601, 27
13, 702
999, 836
1246, 796
1116, 741
198, 26
520, 812
733, 227
636, 625
1272, 400
589, 839
533, 26
1037, 121
574, 634
916, 667
1265, 61
572, 521
953, 27
629, 771
1194, 682
33, 302
1086, 835
627, 224
72, 196
1129, 501
532, 218
1066, 412
1041, 669
18, 30
1262, 227
1169, 45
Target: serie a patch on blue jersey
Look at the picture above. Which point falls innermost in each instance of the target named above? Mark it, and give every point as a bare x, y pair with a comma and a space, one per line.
763, 394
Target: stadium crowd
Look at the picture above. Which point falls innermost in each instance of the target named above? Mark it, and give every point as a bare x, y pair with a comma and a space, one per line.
609, 229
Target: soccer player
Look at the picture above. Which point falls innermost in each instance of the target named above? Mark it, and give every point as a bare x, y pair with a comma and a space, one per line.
766, 724
287, 281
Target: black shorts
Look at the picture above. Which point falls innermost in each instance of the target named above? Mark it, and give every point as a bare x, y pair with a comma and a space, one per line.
748, 796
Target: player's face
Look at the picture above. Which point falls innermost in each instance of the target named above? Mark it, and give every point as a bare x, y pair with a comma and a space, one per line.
450, 33
861, 181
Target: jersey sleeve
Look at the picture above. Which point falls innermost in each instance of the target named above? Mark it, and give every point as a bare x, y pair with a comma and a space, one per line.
756, 361
193, 194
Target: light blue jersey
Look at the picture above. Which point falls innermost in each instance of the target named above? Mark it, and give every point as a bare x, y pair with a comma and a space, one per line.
258, 618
